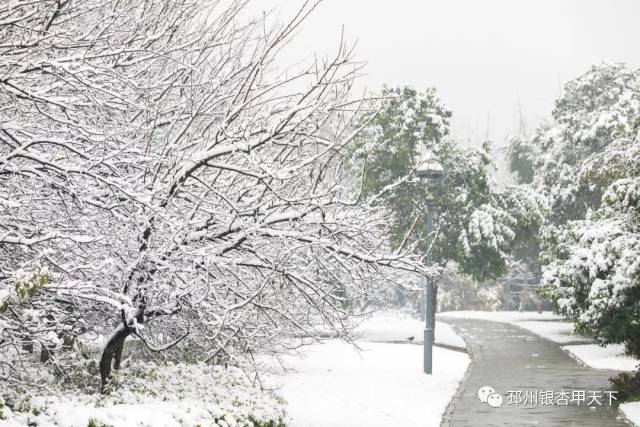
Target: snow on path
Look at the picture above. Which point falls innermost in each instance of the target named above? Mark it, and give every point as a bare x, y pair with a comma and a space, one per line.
383, 385
554, 328
501, 316
509, 358
547, 325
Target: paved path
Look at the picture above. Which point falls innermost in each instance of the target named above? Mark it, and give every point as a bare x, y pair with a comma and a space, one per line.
507, 357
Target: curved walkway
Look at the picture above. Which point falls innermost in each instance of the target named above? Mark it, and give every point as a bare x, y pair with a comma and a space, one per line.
509, 358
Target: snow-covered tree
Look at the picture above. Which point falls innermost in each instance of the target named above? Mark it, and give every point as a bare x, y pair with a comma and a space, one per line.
592, 111
164, 177
594, 264
472, 230
567, 162
585, 164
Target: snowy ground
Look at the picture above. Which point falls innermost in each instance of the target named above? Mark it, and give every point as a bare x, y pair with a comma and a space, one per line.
609, 357
631, 411
382, 385
553, 328
334, 384
397, 326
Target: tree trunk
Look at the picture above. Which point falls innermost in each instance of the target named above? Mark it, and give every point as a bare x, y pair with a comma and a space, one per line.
46, 350
114, 346
117, 357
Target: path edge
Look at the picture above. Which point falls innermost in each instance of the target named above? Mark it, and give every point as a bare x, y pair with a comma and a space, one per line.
626, 418
447, 417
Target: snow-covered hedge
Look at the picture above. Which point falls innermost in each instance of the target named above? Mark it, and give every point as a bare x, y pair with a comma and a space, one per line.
148, 394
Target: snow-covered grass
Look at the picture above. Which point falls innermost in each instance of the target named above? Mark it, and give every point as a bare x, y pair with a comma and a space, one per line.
388, 326
382, 385
445, 335
631, 411
609, 357
174, 395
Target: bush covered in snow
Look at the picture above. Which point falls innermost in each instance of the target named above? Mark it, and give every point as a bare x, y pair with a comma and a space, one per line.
595, 270
627, 386
148, 394
458, 292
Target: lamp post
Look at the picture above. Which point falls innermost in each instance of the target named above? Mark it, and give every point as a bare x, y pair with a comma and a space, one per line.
429, 169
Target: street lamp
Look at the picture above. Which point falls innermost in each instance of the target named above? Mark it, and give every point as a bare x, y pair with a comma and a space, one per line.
429, 170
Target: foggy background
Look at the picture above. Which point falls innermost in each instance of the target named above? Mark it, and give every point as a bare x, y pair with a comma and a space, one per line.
492, 61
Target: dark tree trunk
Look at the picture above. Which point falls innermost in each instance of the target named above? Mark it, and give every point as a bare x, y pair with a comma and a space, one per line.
117, 357
46, 350
114, 346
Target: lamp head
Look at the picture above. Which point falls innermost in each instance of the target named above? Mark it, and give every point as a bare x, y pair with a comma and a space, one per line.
429, 167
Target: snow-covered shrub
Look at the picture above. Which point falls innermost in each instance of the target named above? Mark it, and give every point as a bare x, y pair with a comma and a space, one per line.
466, 294
150, 394
627, 386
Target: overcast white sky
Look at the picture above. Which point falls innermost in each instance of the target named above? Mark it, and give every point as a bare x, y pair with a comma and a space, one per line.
486, 57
